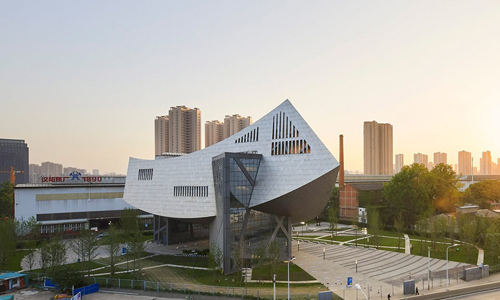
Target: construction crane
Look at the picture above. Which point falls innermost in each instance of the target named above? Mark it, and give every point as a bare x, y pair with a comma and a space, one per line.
13, 181
12, 174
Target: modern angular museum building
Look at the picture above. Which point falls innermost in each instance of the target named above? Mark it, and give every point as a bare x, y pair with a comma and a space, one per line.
241, 193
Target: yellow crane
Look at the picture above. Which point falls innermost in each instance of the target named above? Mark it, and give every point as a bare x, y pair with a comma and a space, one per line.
13, 181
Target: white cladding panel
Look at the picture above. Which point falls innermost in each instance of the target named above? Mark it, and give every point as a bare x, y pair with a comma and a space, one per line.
277, 176
27, 206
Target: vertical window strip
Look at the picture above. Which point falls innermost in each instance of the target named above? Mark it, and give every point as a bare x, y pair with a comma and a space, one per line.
191, 191
273, 127
145, 174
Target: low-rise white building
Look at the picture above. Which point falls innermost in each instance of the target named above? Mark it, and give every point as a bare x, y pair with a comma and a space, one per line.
71, 203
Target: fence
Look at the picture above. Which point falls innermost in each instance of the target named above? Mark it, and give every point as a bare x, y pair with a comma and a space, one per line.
190, 289
89, 289
437, 280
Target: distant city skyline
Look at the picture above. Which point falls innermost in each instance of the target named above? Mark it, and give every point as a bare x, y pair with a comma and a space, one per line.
85, 93
216, 131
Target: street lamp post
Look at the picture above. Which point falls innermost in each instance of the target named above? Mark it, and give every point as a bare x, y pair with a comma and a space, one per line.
448, 266
359, 288
324, 252
356, 266
291, 259
298, 245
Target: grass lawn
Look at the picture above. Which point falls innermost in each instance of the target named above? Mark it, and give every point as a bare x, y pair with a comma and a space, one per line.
459, 254
300, 237
77, 266
296, 273
181, 260
383, 241
13, 263
341, 238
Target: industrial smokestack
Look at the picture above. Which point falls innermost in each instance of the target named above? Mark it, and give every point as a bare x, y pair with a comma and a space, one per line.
341, 158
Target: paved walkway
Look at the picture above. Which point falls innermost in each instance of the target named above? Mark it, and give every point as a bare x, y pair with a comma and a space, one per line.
380, 271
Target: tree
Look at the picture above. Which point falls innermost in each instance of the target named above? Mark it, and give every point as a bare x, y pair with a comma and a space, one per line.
444, 186
239, 258
483, 193
78, 246
44, 256
91, 247
399, 227
57, 253
333, 218
493, 241
467, 231
113, 248
422, 228
273, 251
28, 229
6, 199
30, 260
129, 221
375, 224
8, 240
53, 255
409, 192
65, 277
136, 247
334, 200
437, 228
452, 230
215, 258
86, 245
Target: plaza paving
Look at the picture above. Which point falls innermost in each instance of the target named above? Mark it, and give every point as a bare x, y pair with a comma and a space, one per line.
378, 272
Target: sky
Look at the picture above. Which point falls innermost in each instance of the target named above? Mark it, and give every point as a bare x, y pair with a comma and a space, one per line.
82, 81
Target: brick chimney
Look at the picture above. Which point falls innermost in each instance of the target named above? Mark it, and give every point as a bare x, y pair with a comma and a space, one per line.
341, 158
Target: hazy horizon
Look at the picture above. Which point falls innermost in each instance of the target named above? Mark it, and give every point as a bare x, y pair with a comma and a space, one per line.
82, 82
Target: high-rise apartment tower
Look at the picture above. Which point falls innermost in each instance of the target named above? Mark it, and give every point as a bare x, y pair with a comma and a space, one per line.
440, 158
214, 132
377, 148
464, 163
51, 169
161, 135
485, 164
235, 123
179, 132
400, 162
184, 129
419, 158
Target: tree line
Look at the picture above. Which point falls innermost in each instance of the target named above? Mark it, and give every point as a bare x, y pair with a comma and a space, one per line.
52, 255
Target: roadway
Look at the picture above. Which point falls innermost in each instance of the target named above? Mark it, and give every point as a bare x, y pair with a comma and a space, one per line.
486, 295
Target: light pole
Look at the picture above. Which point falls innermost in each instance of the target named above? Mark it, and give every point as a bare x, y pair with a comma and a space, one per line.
359, 288
428, 268
448, 265
291, 259
324, 252
298, 245
356, 266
